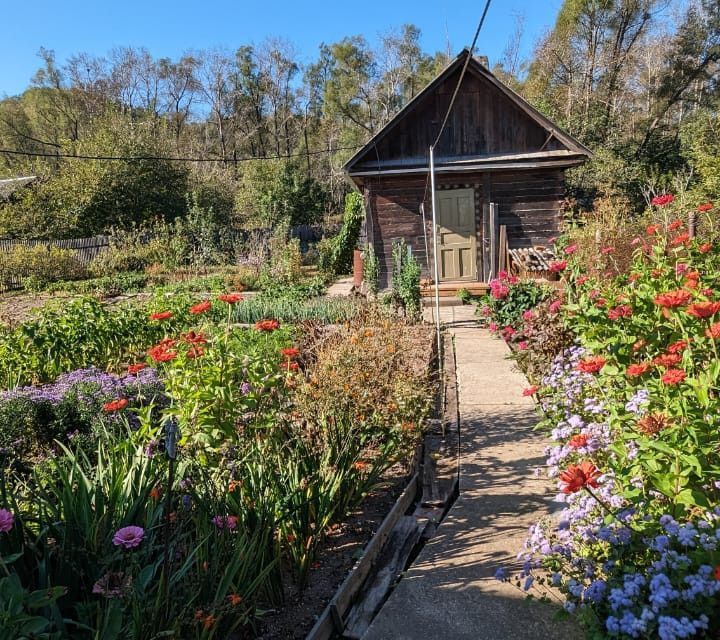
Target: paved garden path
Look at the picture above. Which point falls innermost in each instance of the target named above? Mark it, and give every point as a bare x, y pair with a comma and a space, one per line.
450, 592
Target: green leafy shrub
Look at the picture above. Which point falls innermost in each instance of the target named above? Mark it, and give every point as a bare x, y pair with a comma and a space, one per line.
371, 270
38, 266
336, 254
406, 280
104, 287
509, 298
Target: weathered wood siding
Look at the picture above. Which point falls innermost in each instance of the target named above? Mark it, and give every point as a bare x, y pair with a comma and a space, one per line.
483, 121
529, 205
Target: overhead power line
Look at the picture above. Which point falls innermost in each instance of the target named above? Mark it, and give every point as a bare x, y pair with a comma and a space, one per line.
462, 73
70, 156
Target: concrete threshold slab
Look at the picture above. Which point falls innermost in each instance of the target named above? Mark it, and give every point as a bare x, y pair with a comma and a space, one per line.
450, 592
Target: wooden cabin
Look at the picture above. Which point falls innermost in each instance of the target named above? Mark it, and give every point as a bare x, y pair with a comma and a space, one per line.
499, 163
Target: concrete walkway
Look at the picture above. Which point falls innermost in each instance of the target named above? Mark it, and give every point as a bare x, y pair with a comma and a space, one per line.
450, 592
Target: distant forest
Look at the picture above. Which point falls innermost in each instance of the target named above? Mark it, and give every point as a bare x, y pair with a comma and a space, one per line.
635, 80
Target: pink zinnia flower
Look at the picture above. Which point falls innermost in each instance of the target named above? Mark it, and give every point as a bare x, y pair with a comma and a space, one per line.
522, 345
571, 249
528, 315
555, 306
129, 537
493, 326
7, 519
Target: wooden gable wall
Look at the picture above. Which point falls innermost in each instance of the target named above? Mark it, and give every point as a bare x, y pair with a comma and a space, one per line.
484, 121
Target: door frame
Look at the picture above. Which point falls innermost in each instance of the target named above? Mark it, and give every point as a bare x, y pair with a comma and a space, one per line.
475, 276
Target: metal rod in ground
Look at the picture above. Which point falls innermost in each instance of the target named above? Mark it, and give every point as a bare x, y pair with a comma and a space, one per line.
435, 262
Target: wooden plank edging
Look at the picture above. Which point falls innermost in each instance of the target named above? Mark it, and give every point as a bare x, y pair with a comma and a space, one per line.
331, 620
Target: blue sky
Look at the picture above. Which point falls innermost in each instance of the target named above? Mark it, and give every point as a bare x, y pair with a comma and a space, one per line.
167, 28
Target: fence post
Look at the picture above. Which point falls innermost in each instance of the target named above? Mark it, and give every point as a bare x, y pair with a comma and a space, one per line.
692, 224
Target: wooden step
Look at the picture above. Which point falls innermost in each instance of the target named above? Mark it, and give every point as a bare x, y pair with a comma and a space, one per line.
450, 289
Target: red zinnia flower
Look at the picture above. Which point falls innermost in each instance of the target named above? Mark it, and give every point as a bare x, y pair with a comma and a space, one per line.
530, 391
194, 352
705, 247
652, 229
230, 298
556, 266
621, 311
667, 360
577, 476
661, 201
163, 352
705, 207
673, 299
115, 405
267, 325
703, 309
638, 369
717, 572
290, 352
673, 376
194, 338
200, 307
677, 347
582, 280
136, 368
577, 441
674, 225
161, 315
713, 331
592, 364
681, 239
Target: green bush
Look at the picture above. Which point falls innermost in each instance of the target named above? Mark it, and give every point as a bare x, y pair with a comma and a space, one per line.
39, 265
104, 287
406, 280
336, 254
371, 270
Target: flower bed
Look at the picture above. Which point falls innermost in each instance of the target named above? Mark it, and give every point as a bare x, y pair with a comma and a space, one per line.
631, 412
180, 496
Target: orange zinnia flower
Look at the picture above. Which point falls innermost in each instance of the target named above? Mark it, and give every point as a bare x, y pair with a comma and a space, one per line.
577, 441
200, 307
156, 492
530, 391
673, 376
290, 352
638, 369
161, 315
194, 338
677, 347
230, 298
592, 364
639, 345
674, 225
136, 368
578, 476
713, 331
681, 239
667, 359
652, 229
115, 405
703, 309
194, 352
652, 424
672, 299
267, 325
705, 247
162, 352
705, 207
234, 599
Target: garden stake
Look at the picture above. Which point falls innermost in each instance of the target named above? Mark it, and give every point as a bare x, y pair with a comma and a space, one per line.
171, 439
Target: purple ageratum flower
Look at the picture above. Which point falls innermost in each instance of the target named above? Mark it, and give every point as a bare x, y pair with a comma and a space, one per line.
245, 388
129, 537
7, 520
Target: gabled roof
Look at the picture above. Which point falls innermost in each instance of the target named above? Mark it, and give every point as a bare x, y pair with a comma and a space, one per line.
558, 149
